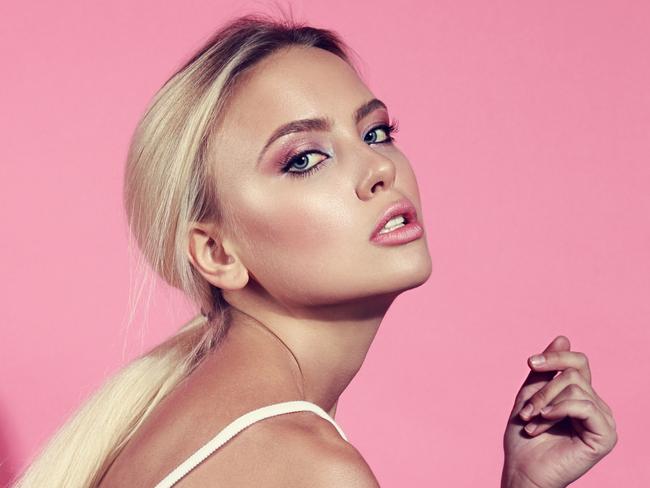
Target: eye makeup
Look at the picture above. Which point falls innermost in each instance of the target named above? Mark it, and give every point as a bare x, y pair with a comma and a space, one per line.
291, 159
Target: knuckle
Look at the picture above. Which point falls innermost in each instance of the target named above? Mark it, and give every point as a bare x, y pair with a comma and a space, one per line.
583, 358
604, 404
614, 439
575, 390
572, 374
539, 399
589, 405
608, 411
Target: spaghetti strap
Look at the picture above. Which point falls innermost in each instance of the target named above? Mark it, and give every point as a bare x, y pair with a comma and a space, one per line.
238, 425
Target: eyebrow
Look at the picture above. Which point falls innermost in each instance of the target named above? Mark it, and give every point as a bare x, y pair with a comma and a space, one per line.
320, 123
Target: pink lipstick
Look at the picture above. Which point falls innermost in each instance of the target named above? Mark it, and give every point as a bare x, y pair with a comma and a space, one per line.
398, 224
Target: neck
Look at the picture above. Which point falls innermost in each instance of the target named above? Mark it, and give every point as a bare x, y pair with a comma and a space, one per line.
324, 347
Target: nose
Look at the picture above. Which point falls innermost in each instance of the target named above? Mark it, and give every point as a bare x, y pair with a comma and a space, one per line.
379, 174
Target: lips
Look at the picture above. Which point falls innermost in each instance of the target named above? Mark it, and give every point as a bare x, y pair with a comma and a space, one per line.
400, 207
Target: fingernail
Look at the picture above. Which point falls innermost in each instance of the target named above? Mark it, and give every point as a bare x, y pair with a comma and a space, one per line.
537, 359
527, 410
530, 428
546, 409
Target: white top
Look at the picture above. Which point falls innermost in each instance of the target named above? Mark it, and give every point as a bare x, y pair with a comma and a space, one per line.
235, 427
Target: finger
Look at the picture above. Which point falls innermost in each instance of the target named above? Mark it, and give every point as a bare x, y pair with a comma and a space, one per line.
539, 424
559, 344
536, 379
550, 391
571, 392
596, 432
560, 360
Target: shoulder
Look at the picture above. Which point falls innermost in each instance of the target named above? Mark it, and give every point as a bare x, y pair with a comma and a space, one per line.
343, 467
296, 449
325, 458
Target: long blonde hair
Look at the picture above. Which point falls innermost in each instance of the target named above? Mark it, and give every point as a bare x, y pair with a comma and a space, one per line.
168, 184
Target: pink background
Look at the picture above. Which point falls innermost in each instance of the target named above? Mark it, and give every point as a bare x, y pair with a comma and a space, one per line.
528, 125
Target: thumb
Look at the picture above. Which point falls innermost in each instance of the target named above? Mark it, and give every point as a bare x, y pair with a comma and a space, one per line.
560, 343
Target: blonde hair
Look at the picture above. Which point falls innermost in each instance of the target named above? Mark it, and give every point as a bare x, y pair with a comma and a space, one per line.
168, 184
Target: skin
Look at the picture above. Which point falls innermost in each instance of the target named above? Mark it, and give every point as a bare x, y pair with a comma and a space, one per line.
308, 291
307, 288
568, 440
301, 264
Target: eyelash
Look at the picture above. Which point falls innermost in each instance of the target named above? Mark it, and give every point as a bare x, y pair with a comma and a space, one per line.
287, 163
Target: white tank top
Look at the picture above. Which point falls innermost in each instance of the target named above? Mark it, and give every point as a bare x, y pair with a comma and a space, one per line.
235, 427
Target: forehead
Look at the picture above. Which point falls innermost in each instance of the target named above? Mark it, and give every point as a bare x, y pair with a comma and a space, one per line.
299, 81
293, 83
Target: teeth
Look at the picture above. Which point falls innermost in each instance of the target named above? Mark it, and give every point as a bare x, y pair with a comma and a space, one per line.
393, 223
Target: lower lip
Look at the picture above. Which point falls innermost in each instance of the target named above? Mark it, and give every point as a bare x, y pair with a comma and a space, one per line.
406, 233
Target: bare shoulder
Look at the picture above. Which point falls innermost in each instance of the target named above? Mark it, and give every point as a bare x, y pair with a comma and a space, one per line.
297, 449
342, 467
326, 459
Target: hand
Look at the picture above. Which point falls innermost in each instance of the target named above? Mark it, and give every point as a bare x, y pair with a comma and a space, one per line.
571, 437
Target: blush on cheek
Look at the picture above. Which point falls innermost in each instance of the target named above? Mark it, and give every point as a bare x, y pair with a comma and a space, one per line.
295, 223
301, 231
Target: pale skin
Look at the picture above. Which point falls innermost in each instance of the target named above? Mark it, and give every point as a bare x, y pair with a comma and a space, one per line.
569, 439
307, 288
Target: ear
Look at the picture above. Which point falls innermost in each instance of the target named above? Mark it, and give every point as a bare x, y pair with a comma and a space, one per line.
213, 258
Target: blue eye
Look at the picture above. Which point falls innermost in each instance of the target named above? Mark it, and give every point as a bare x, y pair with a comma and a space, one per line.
303, 157
297, 162
388, 129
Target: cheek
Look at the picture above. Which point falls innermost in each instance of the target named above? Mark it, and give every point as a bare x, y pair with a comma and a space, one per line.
295, 240
283, 227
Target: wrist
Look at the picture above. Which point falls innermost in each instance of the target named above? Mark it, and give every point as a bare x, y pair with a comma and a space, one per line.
516, 482
512, 478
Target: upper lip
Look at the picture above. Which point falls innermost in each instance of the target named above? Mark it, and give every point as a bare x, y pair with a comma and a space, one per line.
402, 206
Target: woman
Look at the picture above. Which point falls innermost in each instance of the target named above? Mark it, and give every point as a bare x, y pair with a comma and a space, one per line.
264, 182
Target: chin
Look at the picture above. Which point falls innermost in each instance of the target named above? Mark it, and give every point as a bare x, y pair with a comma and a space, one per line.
423, 275
409, 277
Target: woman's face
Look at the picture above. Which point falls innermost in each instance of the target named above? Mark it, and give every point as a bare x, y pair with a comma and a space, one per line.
305, 237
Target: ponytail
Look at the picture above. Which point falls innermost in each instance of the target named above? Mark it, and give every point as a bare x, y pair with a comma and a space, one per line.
169, 183
82, 450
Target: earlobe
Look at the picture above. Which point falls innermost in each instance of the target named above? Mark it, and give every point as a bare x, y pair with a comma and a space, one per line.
211, 258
